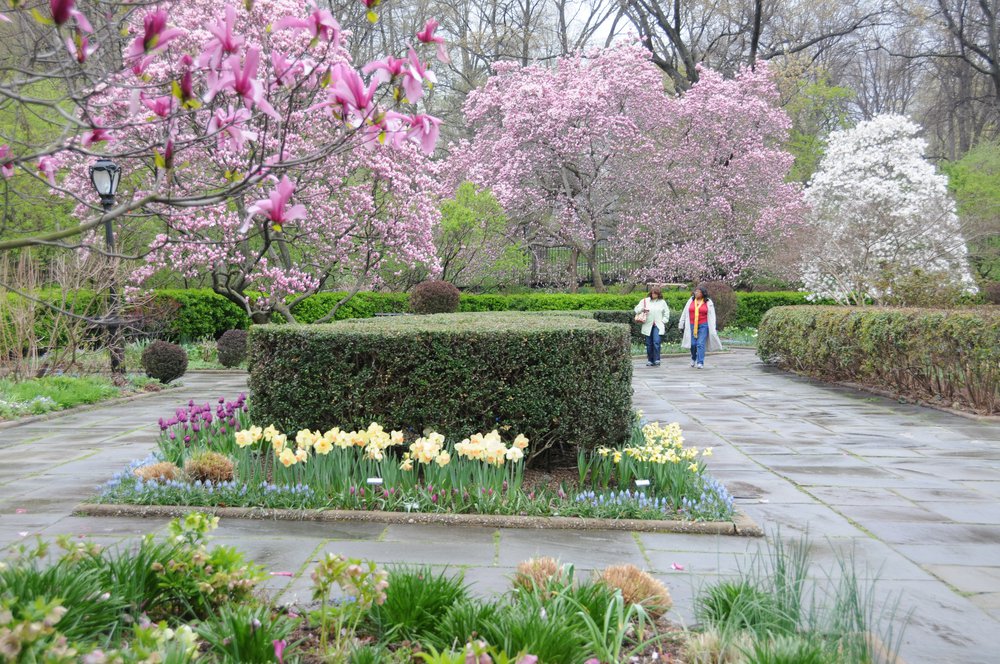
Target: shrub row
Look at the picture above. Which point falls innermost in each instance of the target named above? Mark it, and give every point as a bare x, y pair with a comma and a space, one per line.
186, 314
564, 380
951, 356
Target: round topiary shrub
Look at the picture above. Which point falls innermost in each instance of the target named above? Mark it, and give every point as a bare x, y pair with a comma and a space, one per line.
232, 348
434, 297
725, 301
209, 467
991, 292
164, 361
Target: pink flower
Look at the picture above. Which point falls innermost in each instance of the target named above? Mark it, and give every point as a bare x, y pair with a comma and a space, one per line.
226, 42
78, 45
279, 650
320, 23
424, 130
677, 566
414, 76
274, 206
96, 135
426, 36
154, 39
6, 164
47, 167
186, 85
242, 79
228, 123
385, 70
161, 106
527, 659
64, 10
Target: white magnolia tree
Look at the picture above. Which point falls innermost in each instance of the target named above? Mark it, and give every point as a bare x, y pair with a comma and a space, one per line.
881, 215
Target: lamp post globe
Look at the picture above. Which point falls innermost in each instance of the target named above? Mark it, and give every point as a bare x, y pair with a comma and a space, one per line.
104, 175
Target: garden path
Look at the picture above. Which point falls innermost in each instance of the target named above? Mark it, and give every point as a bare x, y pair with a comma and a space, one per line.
912, 492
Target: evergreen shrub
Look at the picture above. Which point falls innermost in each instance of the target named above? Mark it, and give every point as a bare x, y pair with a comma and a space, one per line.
950, 356
434, 297
164, 361
564, 381
232, 348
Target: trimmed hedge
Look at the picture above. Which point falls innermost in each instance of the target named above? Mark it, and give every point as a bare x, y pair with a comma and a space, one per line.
951, 356
199, 313
564, 381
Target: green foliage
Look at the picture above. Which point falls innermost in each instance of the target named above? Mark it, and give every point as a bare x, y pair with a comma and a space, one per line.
945, 355
462, 620
416, 600
789, 650
975, 182
245, 634
41, 395
563, 381
201, 313
816, 108
232, 348
164, 361
739, 605
362, 305
434, 297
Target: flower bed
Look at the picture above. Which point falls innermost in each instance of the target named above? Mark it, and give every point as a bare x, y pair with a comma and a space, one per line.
213, 456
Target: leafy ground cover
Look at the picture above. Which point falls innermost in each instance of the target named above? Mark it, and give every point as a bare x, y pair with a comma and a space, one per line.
179, 600
211, 455
52, 393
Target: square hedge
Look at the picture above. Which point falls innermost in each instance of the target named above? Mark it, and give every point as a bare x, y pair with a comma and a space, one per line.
563, 381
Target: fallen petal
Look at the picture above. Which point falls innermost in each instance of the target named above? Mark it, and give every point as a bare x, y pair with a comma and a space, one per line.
282, 574
677, 567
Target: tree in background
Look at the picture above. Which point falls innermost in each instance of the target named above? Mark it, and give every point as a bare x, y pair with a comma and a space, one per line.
474, 240
881, 216
975, 182
244, 133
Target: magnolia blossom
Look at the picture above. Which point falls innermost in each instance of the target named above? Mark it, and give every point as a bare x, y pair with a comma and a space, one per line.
6, 164
880, 211
154, 39
275, 206
426, 36
229, 125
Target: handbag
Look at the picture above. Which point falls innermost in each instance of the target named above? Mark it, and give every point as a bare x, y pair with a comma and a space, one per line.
642, 315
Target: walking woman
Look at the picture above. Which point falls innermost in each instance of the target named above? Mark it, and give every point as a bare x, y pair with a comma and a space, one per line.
653, 313
698, 323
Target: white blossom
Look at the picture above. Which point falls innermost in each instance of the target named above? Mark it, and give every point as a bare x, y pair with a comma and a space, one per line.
880, 211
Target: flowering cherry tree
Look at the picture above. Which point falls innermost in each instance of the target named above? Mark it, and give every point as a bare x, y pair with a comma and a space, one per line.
262, 154
880, 213
594, 150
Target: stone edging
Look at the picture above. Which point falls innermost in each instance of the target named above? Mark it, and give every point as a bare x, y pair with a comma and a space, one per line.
741, 525
85, 407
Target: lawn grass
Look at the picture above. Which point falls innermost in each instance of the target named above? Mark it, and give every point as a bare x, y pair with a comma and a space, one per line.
51, 393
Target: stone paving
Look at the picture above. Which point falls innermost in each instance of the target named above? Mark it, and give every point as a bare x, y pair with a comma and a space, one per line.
911, 493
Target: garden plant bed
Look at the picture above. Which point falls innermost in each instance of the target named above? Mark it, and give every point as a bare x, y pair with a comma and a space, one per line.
740, 525
211, 456
148, 389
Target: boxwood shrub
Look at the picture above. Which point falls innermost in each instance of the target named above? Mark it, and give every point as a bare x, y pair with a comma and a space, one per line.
951, 356
564, 381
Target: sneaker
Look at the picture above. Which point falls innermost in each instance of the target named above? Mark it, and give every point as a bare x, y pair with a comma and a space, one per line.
649, 364
692, 364
656, 364
701, 366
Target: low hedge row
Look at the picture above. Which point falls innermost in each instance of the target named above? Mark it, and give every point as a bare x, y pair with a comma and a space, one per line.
951, 356
185, 314
562, 380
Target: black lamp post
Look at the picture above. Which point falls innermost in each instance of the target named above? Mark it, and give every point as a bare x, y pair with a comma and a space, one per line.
104, 175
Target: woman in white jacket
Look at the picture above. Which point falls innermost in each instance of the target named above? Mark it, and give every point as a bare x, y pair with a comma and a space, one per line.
655, 326
698, 323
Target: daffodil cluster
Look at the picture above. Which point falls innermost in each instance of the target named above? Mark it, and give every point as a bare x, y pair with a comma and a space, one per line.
491, 449
374, 441
427, 449
661, 445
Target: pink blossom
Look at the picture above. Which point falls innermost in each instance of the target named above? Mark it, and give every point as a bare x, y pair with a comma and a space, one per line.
414, 76
279, 650
225, 42
186, 85
229, 125
6, 164
64, 10
426, 36
47, 167
274, 206
424, 131
155, 37
161, 106
96, 135
242, 79
79, 46
321, 25
385, 69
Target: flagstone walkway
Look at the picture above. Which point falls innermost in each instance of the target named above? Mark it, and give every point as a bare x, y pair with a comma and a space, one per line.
912, 492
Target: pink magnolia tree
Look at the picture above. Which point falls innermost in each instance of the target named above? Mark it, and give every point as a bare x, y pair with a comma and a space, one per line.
249, 142
594, 150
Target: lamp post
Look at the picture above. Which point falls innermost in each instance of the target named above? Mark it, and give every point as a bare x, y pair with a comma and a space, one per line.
104, 175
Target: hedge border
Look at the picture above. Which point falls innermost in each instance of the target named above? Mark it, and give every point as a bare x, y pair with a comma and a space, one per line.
740, 526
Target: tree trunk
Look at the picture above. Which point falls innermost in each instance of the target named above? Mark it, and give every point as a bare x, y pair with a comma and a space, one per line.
572, 274
260, 318
595, 271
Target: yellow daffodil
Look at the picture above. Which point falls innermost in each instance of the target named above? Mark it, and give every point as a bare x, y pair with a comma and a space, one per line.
520, 442
256, 433
617, 457
693, 468
406, 465
287, 458
706, 452
301, 456
244, 438
323, 446
515, 454
270, 432
443, 459
396, 437
278, 442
